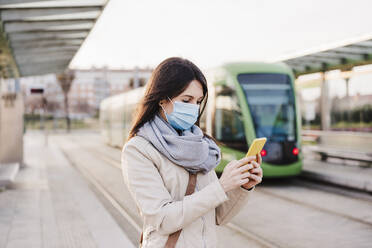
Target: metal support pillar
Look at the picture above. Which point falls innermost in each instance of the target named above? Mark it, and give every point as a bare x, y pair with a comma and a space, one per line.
325, 110
348, 100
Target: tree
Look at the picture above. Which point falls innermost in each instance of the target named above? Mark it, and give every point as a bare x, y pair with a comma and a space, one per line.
65, 81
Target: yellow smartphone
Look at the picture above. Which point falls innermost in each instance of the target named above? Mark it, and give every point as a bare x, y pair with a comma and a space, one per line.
256, 147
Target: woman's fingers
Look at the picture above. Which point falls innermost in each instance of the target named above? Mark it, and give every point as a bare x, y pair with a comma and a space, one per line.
256, 178
258, 172
245, 167
255, 170
246, 160
248, 166
259, 158
256, 160
255, 164
243, 181
245, 174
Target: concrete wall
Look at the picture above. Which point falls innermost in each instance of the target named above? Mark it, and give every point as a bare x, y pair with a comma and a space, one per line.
11, 122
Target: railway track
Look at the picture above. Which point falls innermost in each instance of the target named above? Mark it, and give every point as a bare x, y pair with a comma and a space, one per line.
107, 196
262, 241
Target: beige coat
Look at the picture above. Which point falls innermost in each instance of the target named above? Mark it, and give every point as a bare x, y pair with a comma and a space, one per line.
158, 186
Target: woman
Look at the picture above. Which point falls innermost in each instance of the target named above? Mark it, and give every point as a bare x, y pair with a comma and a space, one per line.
165, 148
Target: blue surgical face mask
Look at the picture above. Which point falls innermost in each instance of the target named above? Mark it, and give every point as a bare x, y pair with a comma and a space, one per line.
184, 115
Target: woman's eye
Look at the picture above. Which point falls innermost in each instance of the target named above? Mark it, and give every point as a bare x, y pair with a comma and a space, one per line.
189, 101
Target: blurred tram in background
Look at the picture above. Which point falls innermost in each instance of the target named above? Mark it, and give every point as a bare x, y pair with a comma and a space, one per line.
245, 101
115, 114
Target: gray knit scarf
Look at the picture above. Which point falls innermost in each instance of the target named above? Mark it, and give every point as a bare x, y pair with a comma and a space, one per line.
189, 149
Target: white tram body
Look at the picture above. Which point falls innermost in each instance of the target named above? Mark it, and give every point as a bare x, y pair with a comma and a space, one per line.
116, 114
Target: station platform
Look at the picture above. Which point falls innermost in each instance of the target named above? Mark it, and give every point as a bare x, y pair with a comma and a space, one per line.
338, 172
50, 204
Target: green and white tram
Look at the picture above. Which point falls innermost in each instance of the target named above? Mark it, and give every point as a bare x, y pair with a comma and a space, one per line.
245, 101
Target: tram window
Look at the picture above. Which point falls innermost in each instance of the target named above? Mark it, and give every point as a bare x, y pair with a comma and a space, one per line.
270, 99
229, 127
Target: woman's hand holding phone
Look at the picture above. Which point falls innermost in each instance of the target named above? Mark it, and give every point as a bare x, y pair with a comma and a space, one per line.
237, 173
255, 176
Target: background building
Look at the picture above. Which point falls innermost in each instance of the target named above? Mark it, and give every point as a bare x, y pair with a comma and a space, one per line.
91, 86
88, 89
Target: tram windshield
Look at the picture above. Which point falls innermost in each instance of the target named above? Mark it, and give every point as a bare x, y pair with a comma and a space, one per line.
271, 102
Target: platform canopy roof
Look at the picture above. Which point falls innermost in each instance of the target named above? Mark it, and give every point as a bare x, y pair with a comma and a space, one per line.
341, 55
42, 36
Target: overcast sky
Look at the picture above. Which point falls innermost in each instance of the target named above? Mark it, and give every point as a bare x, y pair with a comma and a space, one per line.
142, 33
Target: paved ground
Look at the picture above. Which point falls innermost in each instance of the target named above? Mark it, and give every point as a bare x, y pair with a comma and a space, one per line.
71, 194
50, 205
281, 213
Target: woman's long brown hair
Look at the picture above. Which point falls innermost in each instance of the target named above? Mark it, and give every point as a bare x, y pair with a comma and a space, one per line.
169, 79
